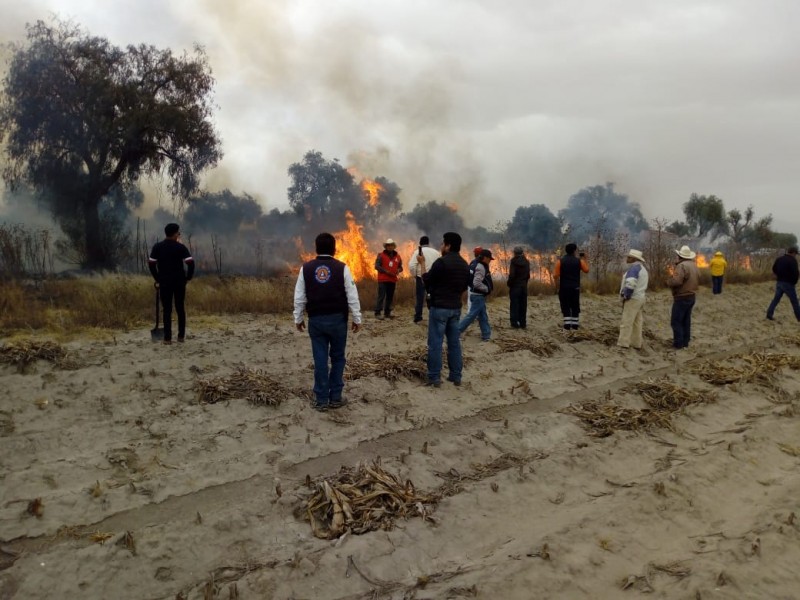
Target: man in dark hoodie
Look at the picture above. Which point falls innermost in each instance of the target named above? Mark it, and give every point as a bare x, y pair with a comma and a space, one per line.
445, 281
568, 279
787, 273
166, 262
519, 273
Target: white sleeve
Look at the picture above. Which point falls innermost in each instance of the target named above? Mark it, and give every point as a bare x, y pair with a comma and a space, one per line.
300, 298
352, 296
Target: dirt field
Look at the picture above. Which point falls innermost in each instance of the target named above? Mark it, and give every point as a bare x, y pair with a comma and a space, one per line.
148, 493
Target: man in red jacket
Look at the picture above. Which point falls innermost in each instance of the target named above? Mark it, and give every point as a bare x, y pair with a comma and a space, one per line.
389, 265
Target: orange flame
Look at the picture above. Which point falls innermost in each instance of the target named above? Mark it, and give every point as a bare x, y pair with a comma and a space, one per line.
702, 261
372, 190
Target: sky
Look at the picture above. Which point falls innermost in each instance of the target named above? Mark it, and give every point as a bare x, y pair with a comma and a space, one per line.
491, 105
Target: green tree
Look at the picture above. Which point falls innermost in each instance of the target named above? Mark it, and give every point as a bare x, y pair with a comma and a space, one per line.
221, 212
80, 116
536, 226
601, 204
323, 190
435, 218
679, 228
704, 215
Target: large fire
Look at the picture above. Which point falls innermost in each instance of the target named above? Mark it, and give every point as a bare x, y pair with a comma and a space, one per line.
370, 188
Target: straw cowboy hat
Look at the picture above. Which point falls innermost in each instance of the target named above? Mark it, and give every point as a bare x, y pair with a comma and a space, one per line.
686, 253
389, 242
637, 254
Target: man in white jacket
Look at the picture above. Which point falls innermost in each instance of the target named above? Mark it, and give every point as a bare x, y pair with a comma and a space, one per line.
632, 291
429, 255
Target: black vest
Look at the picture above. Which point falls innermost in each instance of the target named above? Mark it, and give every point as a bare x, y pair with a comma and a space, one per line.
324, 279
570, 272
487, 279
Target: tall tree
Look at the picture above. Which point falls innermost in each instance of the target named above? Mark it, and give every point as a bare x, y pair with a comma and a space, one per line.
80, 116
704, 215
323, 189
535, 225
221, 212
435, 218
601, 204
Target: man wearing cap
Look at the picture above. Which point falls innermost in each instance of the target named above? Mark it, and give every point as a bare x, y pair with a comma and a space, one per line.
568, 277
166, 262
476, 251
426, 255
445, 283
684, 282
632, 291
480, 286
717, 266
787, 273
326, 290
389, 265
519, 273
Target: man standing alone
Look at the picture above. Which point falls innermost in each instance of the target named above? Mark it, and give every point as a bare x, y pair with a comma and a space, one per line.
445, 282
326, 290
632, 291
389, 265
718, 265
568, 275
684, 283
430, 255
519, 273
166, 265
786, 271
480, 287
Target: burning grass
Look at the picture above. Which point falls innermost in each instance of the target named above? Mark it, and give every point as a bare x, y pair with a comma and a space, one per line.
258, 388
362, 499
756, 367
664, 400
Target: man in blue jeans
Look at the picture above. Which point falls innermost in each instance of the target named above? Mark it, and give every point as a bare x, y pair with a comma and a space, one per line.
445, 283
326, 290
787, 273
480, 286
684, 282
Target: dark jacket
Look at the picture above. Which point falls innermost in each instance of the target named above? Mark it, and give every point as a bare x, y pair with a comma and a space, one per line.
568, 271
447, 280
786, 269
519, 272
166, 263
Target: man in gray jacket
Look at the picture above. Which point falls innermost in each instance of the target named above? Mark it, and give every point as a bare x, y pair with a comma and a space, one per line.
480, 286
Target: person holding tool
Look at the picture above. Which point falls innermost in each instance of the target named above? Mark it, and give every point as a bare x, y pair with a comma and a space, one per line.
166, 262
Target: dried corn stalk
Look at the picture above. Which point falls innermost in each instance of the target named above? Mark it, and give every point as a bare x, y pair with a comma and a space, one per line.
662, 394
24, 352
362, 499
542, 347
252, 385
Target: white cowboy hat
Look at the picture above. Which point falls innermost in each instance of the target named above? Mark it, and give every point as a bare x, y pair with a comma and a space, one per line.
637, 254
389, 242
686, 252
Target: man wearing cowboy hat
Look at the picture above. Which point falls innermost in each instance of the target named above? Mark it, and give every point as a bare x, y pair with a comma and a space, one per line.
632, 291
684, 282
389, 265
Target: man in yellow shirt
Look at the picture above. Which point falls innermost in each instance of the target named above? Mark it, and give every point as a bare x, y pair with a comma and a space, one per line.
718, 265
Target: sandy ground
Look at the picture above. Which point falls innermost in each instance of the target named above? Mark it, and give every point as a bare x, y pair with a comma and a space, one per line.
123, 445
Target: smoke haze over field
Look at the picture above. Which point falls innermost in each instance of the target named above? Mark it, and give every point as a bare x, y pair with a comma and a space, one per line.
491, 105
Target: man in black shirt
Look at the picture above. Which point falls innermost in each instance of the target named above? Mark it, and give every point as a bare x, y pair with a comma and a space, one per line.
446, 282
787, 273
568, 279
166, 264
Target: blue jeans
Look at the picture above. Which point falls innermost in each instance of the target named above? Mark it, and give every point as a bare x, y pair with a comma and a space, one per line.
443, 322
682, 321
328, 335
420, 299
781, 288
716, 284
477, 310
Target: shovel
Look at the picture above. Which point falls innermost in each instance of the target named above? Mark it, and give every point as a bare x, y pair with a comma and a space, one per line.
157, 333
